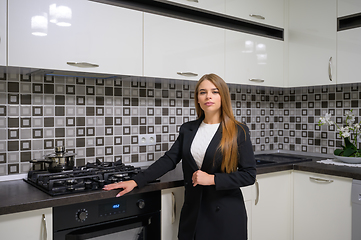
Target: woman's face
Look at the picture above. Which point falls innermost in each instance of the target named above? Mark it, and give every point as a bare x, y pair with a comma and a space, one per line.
209, 98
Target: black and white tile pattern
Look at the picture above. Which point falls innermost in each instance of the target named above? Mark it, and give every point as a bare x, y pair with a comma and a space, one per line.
102, 118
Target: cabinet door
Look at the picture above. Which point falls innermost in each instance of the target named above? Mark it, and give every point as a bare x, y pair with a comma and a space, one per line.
3, 15
253, 60
322, 207
272, 213
261, 11
174, 46
348, 7
37, 224
50, 34
249, 198
210, 5
312, 42
172, 202
349, 56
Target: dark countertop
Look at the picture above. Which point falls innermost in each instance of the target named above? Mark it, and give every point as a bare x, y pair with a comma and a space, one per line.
19, 196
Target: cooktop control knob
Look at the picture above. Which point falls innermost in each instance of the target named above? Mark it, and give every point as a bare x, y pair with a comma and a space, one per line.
141, 203
81, 215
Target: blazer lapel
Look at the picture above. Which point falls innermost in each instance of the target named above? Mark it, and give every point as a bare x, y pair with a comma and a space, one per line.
189, 136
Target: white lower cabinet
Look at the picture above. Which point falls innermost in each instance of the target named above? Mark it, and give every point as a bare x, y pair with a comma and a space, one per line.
249, 196
349, 56
269, 206
180, 49
272, 213
172, 202
34, 225
253, 60
322, 207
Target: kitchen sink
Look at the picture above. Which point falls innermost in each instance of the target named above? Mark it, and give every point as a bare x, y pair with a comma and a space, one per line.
271, 159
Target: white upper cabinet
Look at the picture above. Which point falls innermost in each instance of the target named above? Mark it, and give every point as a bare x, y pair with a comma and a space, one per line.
312, 42
210, 5
253, 60
261, 11
348, 7
349, 55
3, 15
180, 49
75, 35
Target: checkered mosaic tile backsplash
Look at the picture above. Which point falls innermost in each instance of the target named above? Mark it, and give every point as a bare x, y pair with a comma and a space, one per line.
102, 118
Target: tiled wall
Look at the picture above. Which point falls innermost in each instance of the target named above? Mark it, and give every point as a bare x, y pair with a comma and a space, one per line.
102, 118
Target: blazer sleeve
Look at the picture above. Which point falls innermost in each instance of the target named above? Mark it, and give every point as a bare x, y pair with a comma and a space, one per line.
246, 173
164, 164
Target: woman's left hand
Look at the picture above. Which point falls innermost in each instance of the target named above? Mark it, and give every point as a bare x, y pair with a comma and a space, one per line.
202, 178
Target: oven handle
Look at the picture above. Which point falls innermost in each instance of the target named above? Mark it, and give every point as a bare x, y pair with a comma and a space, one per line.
105, 229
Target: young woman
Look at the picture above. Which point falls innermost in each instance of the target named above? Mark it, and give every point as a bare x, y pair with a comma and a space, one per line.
217, 159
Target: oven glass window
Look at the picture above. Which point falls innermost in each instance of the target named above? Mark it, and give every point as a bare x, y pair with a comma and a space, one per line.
131, 234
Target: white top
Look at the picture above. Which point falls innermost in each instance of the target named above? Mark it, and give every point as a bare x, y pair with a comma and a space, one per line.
201, 141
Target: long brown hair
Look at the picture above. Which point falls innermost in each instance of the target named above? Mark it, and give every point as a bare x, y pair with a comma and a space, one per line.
228, 145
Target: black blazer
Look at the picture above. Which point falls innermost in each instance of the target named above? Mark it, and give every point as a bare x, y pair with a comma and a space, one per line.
209, 212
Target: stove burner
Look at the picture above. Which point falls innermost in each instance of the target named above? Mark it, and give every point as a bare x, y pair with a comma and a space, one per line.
92, 176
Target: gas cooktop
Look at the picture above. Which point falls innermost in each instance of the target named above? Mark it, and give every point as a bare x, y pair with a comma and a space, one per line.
92, 176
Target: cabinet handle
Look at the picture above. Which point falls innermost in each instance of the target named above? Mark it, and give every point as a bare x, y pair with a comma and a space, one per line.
257, 193
45, 229
174, 208
187, 74
83, 64
321, 180
257, 16
192, 1
256, 80
330, 68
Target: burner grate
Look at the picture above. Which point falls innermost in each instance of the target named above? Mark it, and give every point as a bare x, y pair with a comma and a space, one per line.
92, 176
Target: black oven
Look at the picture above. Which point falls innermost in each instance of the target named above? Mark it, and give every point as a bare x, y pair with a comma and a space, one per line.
130, 217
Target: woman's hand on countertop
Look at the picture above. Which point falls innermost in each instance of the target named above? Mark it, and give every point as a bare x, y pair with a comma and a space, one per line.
202, 178
127, 186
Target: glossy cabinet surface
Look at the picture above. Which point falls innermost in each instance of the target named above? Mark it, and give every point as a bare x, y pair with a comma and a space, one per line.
348, 7
256, 10
272, 215
3, 16
50, 34
210, 5
174, 46
37, 224
322, 207
249, 196
253, 60
172, 202
349, 56
312, 42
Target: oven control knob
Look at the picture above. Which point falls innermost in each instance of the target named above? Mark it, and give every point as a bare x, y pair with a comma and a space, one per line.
81, 215
141, 203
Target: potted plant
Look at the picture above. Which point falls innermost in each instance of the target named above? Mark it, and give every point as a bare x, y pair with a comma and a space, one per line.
349, 152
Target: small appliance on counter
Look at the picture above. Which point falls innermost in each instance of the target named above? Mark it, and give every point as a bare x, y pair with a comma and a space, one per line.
58, 161
62, 177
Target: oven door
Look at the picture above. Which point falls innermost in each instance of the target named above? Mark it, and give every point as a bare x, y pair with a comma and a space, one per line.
143, 227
